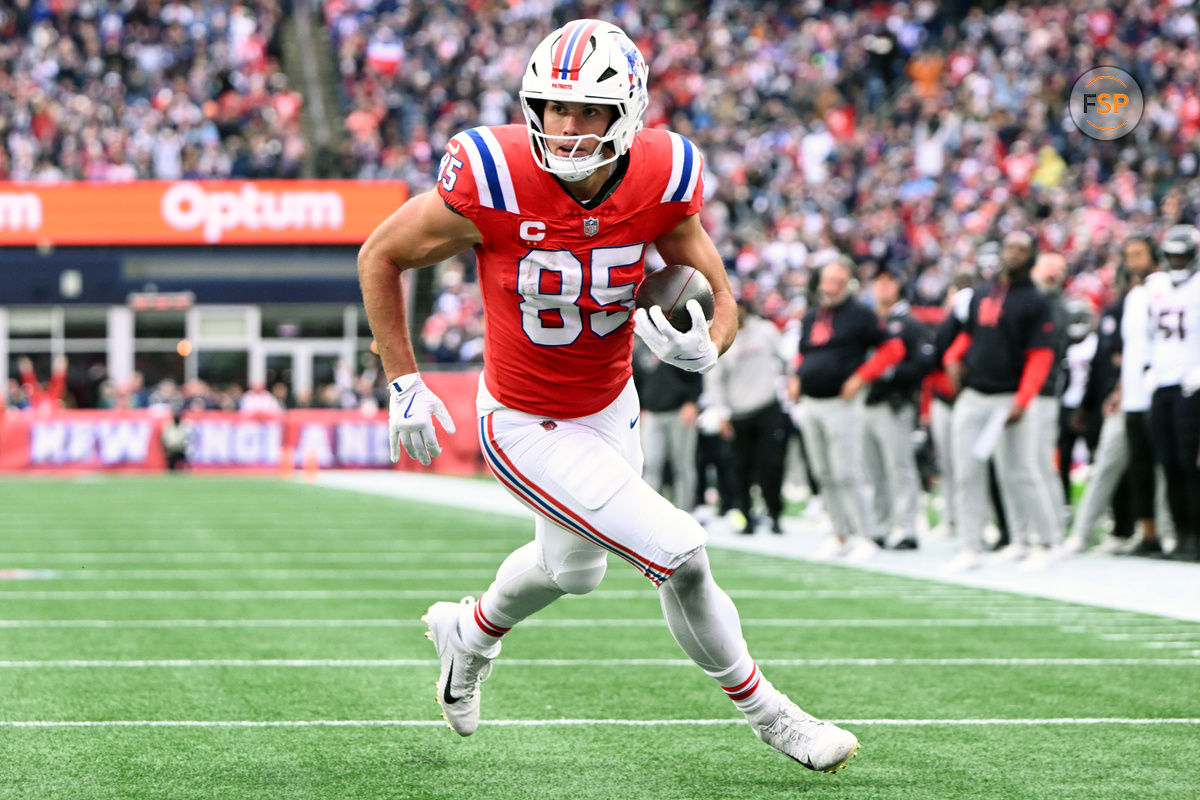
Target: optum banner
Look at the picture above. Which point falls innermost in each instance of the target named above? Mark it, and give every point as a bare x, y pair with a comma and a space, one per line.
195, 212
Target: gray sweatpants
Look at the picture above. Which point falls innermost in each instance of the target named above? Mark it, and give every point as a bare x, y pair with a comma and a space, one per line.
941, 415
665, 437
833, 434
1016, 457
1108, 467
892, 468
1047, 410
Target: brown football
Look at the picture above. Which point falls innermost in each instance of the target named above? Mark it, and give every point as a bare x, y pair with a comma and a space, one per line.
670, 288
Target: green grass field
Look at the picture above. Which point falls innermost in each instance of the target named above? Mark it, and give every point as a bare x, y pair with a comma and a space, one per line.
271, 630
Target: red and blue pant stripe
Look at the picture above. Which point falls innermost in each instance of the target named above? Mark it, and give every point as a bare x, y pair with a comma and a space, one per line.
542, 502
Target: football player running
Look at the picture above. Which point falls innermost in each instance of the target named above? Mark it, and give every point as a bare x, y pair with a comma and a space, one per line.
560, 212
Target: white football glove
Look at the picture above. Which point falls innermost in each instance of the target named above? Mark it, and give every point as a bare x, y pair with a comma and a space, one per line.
691, 350
410, 419
1191, 382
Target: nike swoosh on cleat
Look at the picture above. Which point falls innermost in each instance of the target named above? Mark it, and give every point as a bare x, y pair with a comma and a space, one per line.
410, 402
681, 358
633, 422
449, 698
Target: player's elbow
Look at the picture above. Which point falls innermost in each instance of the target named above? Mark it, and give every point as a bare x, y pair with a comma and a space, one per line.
373, 261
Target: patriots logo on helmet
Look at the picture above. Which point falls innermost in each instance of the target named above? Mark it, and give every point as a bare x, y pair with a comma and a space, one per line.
634, 59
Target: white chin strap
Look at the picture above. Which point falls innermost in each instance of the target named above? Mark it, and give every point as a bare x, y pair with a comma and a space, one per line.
573, 170
1178, 276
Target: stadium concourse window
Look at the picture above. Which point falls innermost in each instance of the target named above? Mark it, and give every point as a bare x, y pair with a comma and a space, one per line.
34, 322
158, 367
85, 322
303, 321
222, 367
160, 325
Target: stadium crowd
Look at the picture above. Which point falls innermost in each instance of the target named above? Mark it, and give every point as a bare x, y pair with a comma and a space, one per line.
895, 132
142, 89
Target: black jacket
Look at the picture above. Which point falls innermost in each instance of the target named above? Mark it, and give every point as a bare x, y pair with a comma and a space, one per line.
899, 386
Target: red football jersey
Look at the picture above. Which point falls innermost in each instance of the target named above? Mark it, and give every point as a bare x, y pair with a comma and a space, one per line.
557, 278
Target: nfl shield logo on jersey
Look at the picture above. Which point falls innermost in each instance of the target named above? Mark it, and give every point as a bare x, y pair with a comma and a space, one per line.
591, 226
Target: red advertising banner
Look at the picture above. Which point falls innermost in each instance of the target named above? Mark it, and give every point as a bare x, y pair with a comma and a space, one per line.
195, 212
72, 441
80, 441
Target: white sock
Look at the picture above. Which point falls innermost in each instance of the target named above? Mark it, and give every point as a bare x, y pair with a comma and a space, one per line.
705, 623
521, 588
751, 693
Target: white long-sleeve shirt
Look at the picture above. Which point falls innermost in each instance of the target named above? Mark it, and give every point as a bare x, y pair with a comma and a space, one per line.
1135, 352
746, 378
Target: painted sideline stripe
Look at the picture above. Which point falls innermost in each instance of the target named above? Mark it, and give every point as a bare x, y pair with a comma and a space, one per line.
935, 622
602, 662
535, 723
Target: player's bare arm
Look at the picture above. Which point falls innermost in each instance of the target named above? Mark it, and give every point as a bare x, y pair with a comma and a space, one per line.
690, 244
420, 233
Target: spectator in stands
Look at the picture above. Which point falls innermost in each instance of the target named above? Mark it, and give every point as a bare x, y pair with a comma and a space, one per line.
257, 400
133, 90
15, 397
44, 399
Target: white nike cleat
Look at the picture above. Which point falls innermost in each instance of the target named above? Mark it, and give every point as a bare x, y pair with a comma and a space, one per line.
832, 547
965, 561
863, 549
818, 745
462, 670
1014, 551
1041, 558
1073, 545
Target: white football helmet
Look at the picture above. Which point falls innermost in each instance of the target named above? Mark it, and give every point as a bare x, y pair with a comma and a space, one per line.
585, 61
1179, 246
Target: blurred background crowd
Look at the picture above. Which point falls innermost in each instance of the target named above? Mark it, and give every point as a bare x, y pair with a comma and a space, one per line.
903, 133
120, 90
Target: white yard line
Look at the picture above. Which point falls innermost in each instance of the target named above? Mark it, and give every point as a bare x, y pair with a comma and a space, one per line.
534, 622
388, 663
394, 554
556, 723
85, 574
